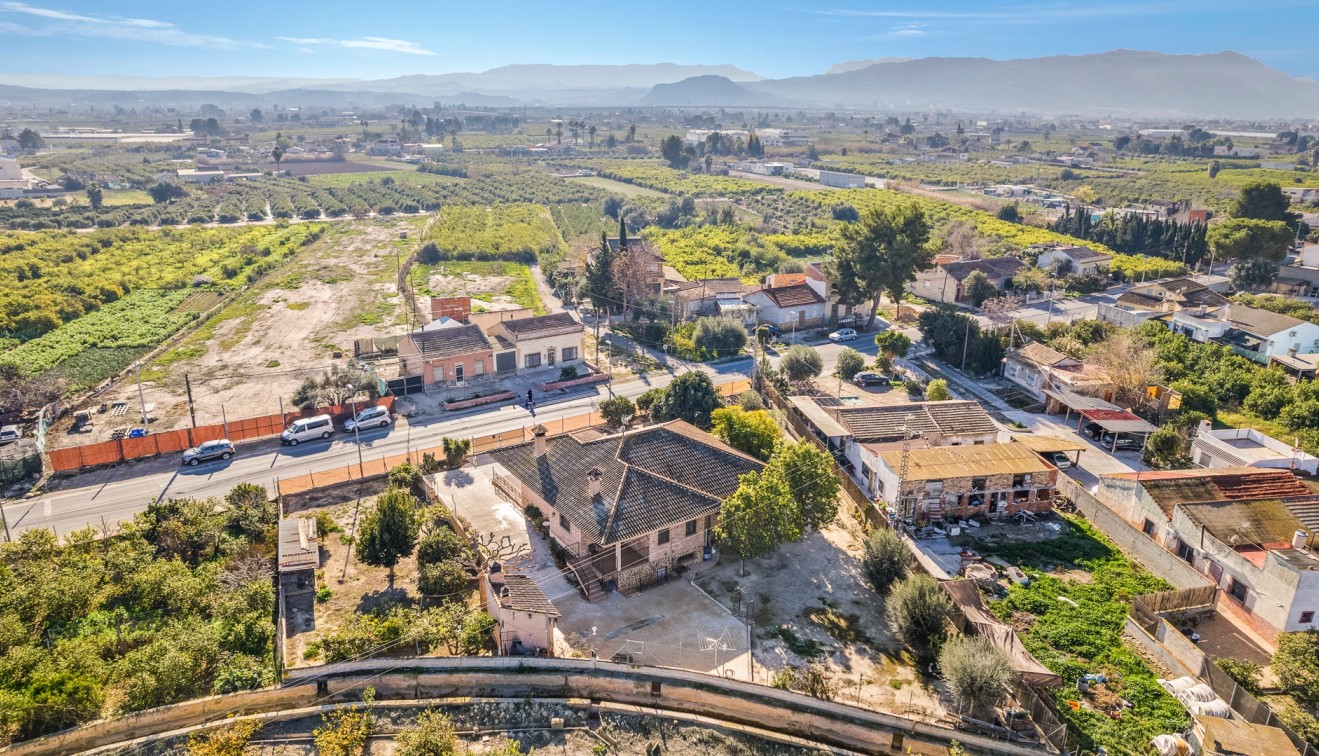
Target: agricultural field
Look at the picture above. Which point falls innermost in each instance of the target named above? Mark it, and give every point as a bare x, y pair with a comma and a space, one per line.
105, 340
333, 195
618, 187
503, 232
1071, 617
655, 175
736, 251
57, 277
282, 329
492, 284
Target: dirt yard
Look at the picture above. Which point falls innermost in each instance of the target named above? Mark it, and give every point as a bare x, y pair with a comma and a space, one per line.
810, 604
352, 586
492, 285
285, 328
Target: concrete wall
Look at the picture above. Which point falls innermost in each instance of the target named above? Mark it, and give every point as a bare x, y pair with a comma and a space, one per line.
1130, 540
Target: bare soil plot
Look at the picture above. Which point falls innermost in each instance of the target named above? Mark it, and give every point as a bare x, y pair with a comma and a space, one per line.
324, 167
285, 328
492, 285
810, 605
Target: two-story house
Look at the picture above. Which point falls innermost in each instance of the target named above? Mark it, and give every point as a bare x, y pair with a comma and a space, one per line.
1036, 368
626, 509
527, 343
1247, 529
986, 480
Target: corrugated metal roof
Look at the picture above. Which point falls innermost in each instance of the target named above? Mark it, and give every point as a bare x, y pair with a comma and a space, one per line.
299, 548
1049, 444
948, 462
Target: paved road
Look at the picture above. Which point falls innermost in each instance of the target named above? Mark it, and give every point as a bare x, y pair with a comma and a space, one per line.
115, 494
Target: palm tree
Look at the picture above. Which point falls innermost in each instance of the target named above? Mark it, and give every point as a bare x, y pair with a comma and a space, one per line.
558, 133
591, 130
277, 155
549, 133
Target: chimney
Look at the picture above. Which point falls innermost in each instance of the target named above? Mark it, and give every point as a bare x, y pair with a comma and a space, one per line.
1299, 539
593, 482
539, 433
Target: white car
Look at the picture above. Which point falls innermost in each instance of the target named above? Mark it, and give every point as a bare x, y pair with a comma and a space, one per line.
843, 334
371, 417
9, 434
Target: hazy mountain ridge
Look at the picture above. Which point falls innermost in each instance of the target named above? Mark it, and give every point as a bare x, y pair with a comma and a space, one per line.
1119, 83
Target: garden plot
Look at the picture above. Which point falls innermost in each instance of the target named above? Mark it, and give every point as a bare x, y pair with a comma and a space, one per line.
811, 605
288, 326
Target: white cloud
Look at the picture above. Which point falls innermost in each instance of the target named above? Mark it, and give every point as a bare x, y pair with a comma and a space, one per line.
364, 43
906, 31
70, 24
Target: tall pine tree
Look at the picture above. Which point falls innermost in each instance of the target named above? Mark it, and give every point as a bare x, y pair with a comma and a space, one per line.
598, 285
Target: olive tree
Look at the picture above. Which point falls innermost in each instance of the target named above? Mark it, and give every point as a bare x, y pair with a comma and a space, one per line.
977, 672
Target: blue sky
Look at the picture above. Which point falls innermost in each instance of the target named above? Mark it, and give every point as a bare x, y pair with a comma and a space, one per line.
774, 39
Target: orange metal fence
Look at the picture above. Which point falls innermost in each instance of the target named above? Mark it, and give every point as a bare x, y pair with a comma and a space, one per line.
167, 442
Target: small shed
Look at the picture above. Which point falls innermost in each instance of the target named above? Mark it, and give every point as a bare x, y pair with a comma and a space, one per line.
299, 548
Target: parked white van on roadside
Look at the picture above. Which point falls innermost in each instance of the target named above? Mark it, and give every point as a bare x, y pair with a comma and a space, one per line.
307, 429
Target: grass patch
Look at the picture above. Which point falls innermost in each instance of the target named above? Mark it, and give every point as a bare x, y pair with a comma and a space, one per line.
298, 306
806, 648
272, 364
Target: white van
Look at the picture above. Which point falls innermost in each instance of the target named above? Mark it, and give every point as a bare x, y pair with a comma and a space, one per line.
307, 429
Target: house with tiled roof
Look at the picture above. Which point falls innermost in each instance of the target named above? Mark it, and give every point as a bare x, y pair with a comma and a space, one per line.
694, 299
536, 342
1157, 298
447, 354
1249, 530
1259, 335
789, 301
525, 615
1075, 259
1036, 367
628, 509
944, 281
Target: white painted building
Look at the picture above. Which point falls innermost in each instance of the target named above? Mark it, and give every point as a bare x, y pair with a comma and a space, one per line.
1247, 447
1247, 529
783, 137
842, 180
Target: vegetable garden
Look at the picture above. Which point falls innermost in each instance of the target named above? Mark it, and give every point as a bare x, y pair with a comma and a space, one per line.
1074, 626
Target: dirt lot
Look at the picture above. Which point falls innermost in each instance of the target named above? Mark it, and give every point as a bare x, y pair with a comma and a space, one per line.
492, 285
353, 586
286, 327
809, 604
323, 167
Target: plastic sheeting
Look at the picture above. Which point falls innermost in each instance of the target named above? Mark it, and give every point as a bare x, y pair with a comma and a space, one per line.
1170, 745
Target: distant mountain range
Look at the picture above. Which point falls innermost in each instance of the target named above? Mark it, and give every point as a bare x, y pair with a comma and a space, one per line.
1118, 83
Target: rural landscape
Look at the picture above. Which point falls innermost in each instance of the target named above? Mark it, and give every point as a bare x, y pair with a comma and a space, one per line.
956, 401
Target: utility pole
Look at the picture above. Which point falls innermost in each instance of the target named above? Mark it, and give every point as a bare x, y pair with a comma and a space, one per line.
192, 413
225, 419
966, 342
141, 398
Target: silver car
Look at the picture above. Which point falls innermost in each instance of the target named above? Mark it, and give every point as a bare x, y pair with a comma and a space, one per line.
371, 417
220, 448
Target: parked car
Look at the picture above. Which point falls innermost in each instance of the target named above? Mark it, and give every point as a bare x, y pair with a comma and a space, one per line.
843, 334
217, 449
1124, 443
307, 429
869, 379
9, 434
371, 417
1060, 460
1093, 430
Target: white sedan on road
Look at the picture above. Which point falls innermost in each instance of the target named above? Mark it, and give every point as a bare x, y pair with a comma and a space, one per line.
843, 334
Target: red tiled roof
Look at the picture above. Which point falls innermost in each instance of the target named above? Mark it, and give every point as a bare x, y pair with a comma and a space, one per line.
793, 296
